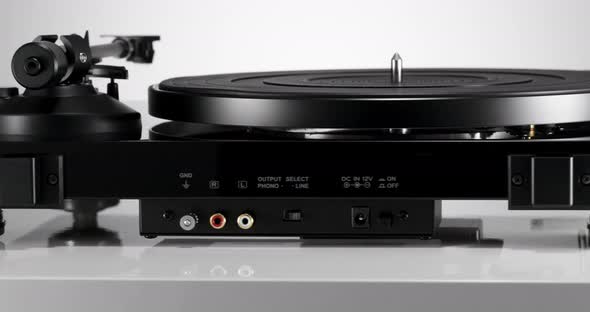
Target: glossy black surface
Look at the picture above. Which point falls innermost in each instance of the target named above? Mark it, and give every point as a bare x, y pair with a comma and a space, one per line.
428, 98
307, 168
67, 113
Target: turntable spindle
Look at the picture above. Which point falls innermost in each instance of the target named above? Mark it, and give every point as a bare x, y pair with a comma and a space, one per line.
396, 68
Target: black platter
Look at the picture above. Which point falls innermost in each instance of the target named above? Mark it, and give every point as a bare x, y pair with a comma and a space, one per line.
369, 99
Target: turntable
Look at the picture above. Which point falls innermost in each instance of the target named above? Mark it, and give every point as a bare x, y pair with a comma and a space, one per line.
326, 153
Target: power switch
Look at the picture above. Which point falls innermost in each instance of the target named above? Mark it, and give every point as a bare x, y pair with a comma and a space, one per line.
17, 182
293, 215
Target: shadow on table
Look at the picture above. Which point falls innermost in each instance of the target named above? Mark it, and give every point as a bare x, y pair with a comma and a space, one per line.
285, 258
110, 231
453, 232
122, 230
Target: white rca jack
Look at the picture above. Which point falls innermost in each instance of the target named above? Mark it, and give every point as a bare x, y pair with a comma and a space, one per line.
245, 221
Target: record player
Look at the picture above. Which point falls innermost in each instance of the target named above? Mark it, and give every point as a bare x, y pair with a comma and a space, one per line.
324, 153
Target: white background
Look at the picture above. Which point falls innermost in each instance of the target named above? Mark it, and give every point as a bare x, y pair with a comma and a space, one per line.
216, 36
203, 37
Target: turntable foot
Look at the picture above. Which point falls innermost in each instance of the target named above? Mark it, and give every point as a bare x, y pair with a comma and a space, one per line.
151, 236
85, 211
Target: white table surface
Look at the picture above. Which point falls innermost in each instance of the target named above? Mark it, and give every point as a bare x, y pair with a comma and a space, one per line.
522, 261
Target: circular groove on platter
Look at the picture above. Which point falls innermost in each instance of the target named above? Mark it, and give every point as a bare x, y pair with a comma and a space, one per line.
427, 98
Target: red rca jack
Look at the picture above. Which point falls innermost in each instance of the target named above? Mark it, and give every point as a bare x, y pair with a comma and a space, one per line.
217, 221
245, 221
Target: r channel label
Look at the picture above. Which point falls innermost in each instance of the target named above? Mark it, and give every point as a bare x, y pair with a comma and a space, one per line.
214, 184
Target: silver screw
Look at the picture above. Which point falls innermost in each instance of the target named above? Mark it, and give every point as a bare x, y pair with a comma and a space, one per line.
83, 58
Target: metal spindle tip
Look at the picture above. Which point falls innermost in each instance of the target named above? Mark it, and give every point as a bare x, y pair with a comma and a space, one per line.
396, 69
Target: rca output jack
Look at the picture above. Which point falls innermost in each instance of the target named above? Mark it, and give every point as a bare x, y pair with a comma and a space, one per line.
217, 221
245, 221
